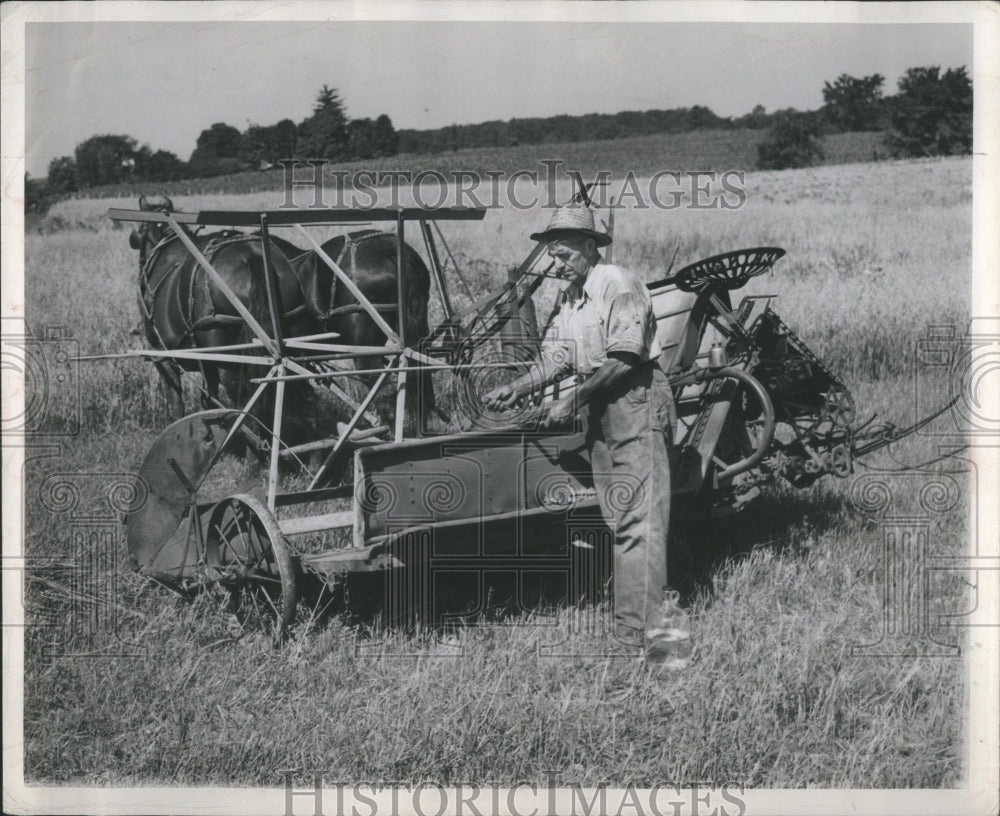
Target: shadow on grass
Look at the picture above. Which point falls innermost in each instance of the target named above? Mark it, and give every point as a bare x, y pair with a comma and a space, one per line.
698, 547
489, 578
526, 568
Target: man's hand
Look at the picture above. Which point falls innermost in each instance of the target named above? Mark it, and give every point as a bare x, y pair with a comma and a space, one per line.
503, 396
559, 412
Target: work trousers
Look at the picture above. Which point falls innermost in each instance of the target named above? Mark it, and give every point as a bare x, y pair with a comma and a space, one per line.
629, 435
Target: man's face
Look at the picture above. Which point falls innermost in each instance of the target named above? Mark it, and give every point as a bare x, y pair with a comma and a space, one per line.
572, 259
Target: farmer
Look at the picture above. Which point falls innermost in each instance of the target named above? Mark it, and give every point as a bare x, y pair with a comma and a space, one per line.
605, 333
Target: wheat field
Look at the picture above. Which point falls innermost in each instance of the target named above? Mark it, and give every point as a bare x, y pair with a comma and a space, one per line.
174, 693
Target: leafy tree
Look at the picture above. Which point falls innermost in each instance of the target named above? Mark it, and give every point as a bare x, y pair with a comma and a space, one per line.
932, 113
792, 142
854, 104
527, 131
757, 119
285, 137
255, 144
62, 176
361, 139
265, 145
220, 141
138, 162
700, 118
163, 166
104, 159
385, 140
36, 198
324, 134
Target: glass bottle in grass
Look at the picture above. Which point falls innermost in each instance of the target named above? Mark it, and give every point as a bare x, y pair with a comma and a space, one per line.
668, 645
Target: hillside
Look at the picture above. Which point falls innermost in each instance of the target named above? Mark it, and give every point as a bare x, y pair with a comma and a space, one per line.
643, 155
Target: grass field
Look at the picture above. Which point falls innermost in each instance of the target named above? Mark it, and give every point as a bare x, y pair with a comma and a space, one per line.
645, 155
174, 693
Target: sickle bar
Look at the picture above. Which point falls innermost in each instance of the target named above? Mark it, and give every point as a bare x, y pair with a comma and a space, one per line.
891, 434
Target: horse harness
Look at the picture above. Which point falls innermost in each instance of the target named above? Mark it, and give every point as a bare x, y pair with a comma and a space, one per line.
197, 284
351, 243
149, 291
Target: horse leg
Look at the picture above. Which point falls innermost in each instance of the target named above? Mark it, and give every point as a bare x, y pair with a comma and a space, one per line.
210, 395
359, 329
170, 377
422, 405
214, 374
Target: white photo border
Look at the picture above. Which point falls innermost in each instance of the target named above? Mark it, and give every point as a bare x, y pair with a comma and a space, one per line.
979, 796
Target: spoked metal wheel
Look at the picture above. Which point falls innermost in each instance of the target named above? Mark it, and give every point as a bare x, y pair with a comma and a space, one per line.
246, 553
838, 407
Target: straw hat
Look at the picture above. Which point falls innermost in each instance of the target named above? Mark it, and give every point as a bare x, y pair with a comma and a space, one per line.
571, 220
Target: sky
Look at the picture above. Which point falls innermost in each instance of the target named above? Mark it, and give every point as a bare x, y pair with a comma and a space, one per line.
163, 83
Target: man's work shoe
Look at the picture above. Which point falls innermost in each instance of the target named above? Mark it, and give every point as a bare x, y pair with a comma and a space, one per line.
626, 643
668, 646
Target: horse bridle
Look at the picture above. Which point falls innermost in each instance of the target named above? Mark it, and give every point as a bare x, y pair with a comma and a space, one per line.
144, 239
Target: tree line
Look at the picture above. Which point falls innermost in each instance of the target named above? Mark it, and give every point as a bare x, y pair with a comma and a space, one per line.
561, 128
930, 115
222, 149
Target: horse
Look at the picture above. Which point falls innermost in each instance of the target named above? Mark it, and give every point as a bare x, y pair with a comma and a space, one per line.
369, 258
183, 308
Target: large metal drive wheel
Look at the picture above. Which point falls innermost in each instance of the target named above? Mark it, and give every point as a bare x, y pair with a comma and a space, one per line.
246, 553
